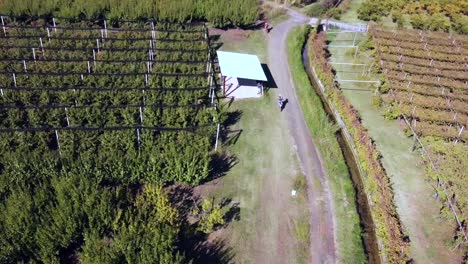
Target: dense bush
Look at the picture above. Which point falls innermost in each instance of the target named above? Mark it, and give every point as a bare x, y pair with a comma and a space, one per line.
315, 10
219, 12
53, 217
427, 14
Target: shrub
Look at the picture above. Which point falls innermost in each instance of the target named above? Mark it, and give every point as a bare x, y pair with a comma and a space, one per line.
315, 10
420, 21
333, 13
300, 184
376, 101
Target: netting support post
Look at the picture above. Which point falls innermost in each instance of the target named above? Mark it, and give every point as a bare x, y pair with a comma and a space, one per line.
14, 79
48, 34
42, 45
57, 138
89, 68
138, 137
66, 116
3, 25
34, 54
55, 26
1, 91
459, 134
94, 59
24, 66
217, 136
141, 115
146, 80
97, 43
153, 32
105, 27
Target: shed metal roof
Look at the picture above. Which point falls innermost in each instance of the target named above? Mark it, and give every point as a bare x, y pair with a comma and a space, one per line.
240, 65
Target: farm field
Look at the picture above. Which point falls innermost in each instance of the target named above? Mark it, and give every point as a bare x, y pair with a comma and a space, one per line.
94, 120
428, 231
264, 173
269, 220
426, 86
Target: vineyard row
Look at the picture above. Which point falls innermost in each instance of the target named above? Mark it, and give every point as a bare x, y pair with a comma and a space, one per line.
442, 65
428, 90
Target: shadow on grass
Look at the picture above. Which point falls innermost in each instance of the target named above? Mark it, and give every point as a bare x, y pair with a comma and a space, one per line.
195, 245
270, 83
203, 251
220, 164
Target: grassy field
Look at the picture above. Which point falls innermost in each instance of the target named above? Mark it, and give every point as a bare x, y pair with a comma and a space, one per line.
272, 226
245, 41
351, 15
417, 209
348, 231
270, 220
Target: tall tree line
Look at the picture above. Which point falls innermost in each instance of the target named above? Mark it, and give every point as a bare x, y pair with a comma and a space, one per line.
218, 12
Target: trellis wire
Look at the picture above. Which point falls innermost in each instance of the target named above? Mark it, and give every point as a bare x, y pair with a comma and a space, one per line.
434, 168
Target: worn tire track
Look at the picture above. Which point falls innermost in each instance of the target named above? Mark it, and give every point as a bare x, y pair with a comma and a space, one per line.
322, 221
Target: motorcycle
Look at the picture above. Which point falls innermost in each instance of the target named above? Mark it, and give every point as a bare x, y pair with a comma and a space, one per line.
280, 102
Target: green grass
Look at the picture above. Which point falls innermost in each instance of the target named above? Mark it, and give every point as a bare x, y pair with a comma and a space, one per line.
260, 183
417, 209
253, 43
348, 230
351, 15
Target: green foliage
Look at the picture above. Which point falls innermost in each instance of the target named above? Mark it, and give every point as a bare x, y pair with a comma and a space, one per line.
376, 101
420, 21
438, 15
371, 10
397, 17
315, 10
302, 229
460, 24
392, 113
348, 231
39, 221
219, 12
333, 13
366, 45
300, 184
209, 217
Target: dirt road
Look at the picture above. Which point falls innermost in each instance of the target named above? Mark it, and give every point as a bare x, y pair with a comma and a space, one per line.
322, 237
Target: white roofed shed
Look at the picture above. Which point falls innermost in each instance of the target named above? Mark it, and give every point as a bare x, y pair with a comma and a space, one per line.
242, 74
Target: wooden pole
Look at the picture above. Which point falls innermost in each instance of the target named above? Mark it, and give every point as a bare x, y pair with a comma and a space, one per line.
89, 68
217, 137
24, 66
34, 54
48, 34
14, 79
97, 43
